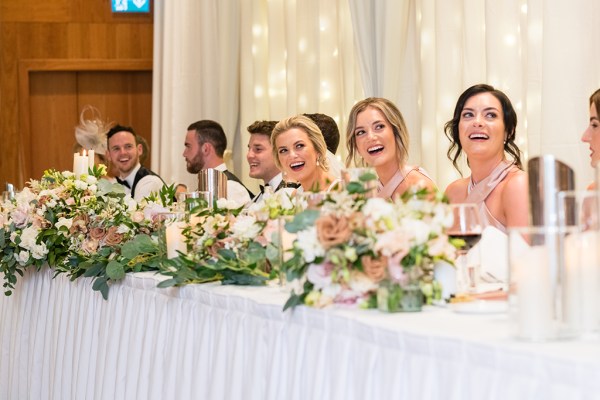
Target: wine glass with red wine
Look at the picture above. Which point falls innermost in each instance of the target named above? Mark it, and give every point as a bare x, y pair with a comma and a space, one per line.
466, 226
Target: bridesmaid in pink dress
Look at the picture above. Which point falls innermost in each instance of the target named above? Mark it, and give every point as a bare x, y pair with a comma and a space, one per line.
483, 128
377, 137
592, 134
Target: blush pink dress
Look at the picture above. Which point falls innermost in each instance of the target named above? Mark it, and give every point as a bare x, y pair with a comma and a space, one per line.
478, 193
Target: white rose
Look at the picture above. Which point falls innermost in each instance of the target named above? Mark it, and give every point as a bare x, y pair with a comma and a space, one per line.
419, 230
297, 285
81, 185
22, 257
39, 251
66, 222
224, 203
245, 227
392, 242
319, 275
29, 237
307, 241
378, 208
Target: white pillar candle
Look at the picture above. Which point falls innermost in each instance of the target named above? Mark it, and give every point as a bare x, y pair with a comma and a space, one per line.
535, 297
582, 281
571, 281
175, 239
91, 159
80, 165
75, 158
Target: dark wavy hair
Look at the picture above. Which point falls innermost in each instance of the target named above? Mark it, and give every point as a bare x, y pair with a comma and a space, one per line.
510, 124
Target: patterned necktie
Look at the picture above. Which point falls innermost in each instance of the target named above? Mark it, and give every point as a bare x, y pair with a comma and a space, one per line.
123, 182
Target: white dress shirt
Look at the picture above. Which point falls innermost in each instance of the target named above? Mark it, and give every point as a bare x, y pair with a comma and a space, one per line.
145, 186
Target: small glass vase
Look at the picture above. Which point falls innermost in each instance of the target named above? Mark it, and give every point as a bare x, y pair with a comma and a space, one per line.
399, 297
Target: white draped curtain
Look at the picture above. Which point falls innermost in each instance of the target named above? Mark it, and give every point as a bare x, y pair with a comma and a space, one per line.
237, 61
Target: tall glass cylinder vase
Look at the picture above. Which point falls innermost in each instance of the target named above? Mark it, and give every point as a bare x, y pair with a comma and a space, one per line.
401, 290
543, 288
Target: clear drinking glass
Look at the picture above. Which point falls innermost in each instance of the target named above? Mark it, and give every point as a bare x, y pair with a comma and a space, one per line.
466, 226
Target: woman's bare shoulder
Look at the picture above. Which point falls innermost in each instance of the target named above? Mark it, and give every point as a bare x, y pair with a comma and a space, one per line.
457, 191
416, 177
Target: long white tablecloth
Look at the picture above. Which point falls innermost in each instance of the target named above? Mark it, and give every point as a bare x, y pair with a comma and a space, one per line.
61, 340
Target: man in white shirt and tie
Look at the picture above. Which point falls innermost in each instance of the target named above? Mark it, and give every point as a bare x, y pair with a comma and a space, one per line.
124, 151
205, 144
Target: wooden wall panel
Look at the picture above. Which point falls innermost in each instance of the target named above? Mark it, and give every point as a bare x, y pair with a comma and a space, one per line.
67, 30
121, 97
53, 102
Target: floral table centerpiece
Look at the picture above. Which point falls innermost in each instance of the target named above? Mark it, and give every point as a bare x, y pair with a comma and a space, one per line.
81, 225
231, 244
352, 247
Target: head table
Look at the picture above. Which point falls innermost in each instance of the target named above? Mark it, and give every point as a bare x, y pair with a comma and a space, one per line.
61, 340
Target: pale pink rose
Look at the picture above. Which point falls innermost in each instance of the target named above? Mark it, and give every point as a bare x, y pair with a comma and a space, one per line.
332, 230
395, 268
89, 246
41, 222
20, 217
97, 233
320, 274
137, 217
70, 201
80, 223
375, 268
113, 237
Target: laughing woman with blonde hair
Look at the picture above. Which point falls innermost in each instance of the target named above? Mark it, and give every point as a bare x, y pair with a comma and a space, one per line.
378, 138
300, 152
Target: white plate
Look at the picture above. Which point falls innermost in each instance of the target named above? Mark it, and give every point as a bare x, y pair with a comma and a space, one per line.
480, 307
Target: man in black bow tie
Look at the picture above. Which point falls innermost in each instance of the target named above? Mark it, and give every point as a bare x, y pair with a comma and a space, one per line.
260, 158
124, 151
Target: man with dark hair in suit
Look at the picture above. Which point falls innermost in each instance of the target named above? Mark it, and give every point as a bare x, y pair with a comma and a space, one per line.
124, 151
205, 144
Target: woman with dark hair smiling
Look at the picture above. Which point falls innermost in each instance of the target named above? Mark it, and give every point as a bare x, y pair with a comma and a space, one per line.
483, 128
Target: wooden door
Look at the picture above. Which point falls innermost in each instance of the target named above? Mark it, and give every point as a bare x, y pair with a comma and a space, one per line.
56, 99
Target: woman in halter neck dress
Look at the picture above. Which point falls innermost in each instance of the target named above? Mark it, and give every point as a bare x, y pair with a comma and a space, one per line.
483, 127
300, 153
592, 134
377, 137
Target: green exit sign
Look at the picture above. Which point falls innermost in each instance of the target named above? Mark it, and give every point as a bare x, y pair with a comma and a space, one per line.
141, 6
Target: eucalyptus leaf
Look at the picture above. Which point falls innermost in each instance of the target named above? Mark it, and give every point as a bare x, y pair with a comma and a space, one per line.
138, 245
302, 221
115, 270
93, 270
